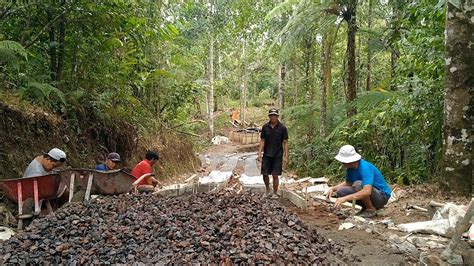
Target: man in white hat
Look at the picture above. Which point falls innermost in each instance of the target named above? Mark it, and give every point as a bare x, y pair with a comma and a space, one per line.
364, 183
44, 164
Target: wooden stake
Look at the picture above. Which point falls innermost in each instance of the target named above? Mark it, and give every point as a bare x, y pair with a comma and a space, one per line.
462, 226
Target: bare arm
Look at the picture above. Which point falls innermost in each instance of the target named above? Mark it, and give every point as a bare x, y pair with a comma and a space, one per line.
260, 148
333, 189
364, 192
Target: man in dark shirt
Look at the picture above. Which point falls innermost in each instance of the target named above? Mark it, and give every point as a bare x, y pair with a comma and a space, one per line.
274, 145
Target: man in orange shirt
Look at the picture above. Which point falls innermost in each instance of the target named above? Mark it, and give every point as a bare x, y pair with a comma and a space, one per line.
235, 117
145, 167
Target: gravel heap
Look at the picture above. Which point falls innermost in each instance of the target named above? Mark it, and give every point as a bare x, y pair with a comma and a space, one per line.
206, 228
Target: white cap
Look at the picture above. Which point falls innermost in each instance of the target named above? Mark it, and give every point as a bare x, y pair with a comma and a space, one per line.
347, 154
57, 154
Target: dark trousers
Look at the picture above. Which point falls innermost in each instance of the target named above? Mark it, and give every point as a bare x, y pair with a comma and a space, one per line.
378, 198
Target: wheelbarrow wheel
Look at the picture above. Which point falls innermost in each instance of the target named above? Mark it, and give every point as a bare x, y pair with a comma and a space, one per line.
27, 212
78, 196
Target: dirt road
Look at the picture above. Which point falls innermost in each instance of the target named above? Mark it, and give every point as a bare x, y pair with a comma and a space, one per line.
367, 248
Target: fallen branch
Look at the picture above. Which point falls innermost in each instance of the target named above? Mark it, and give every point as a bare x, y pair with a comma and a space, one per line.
417, 208
436, 204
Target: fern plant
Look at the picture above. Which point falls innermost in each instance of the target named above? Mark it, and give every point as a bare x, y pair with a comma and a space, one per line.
44, 94
11, 54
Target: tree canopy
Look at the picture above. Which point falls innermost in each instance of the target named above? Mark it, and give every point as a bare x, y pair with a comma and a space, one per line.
368, 73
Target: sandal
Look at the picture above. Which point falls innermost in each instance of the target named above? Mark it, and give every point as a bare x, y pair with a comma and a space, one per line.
369, 214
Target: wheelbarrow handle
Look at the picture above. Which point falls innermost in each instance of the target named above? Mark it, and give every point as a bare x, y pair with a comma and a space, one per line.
134, 184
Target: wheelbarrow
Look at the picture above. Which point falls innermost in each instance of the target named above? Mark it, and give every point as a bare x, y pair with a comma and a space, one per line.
39, 188
91, 181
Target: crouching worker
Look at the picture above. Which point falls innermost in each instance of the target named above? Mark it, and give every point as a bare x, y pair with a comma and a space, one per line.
112, 162
44, 164
364, 183
146, 167
40, 166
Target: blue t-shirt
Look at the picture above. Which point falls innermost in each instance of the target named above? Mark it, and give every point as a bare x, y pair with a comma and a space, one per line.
369, 175
102, 167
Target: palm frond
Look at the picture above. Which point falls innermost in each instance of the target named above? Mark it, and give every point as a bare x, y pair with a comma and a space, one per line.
339, 126
367, 101
281, 9
8, 46
306, 22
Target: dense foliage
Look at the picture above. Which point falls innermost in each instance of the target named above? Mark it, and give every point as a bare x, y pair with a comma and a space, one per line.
148, 62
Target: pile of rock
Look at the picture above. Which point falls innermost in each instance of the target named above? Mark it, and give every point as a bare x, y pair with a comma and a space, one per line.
196, 228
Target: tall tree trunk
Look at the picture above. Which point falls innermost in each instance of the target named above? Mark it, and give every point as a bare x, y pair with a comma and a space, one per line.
62, 33
219, 74
243, 85
359, 62
281, 87
351, 92
331, 38
219, 61
75, 65
294, 66
325, 65
458, 111
307, 67
396, 31
312, 73
369, 50
210, 96
53, 64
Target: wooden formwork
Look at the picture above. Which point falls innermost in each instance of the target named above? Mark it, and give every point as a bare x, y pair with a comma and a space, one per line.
192, 186
296, 199
245, 136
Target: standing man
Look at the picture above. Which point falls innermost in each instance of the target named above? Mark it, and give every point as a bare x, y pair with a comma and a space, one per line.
274, 145
235, 117
111, 162
145, 167
44, 164
364, 183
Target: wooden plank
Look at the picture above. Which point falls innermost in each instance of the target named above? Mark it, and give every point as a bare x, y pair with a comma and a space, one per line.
89, 187
461, 227
179, 190
294, 198
189, 179
332, 200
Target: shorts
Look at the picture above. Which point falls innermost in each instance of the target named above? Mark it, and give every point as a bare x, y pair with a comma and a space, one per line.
378, 198
272, 165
